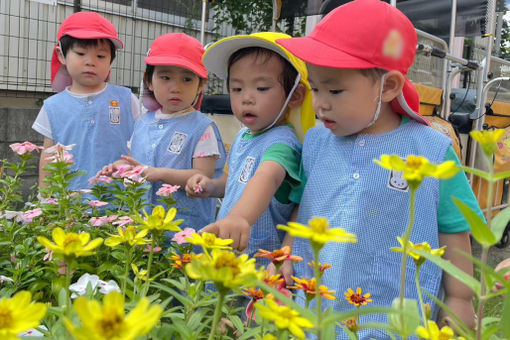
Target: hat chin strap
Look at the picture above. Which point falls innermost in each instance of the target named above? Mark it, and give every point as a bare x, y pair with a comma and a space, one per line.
296, 83
379, 103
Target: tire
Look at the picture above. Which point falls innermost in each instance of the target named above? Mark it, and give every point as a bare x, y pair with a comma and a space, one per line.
505, 238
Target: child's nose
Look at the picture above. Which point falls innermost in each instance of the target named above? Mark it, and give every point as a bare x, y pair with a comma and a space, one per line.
247, 97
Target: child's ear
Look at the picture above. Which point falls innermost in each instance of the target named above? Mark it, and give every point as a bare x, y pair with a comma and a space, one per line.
201, 85
60, 56
393, 85
298, 96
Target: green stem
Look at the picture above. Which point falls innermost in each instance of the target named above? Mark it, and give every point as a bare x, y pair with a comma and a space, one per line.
317, 290
68, 262
405, 241
420, 298
126, 269
146, 288
485, 253
217, 314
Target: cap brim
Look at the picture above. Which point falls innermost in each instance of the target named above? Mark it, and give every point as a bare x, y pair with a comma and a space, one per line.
216, 56
82, 34
317, 53
177, 61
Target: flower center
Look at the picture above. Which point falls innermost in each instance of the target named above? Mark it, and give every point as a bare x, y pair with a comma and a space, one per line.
319, 225
278, 253
358, 299
70, 239
228, 260
111, 324
209, 239
5, 317
443, 336
414, 163
130, 233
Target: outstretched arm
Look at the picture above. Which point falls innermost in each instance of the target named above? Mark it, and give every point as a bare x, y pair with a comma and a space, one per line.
201, 186
253, 202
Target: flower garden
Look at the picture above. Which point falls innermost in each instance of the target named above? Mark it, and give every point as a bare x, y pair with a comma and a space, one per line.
91, 264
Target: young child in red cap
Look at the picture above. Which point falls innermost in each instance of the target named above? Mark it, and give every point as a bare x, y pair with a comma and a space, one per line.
174, 139
87, 111
357, 58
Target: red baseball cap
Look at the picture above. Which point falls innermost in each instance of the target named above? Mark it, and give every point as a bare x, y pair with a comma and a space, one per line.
364, 34
177, 49
81, 25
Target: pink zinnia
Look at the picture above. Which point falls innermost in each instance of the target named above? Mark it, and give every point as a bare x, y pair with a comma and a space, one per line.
96, 203
167, 190
180, 237
25, 147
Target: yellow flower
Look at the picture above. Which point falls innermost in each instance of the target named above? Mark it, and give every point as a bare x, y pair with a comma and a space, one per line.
356, 298
140, 274
318, 232
224, 269
128, 235
70, 244
109, 320
284, 317
488, 139
416, 168
209, 241
322, 267
309, 287
434, 333
19, 314
158, 221
424, 246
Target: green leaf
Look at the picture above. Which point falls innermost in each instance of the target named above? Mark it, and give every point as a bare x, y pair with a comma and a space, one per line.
451, 269
479, 229
505, 316
501, 175
499, 223
477, 172
410, 317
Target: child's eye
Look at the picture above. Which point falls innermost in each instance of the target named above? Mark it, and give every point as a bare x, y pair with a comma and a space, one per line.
164, 77
235, 89
187, 79
314, 89
81, 54
262, 89
336, 91
101, 56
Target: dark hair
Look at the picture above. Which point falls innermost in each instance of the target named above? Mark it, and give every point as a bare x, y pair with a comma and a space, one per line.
67, 42
289, 73
373, 73
149, 72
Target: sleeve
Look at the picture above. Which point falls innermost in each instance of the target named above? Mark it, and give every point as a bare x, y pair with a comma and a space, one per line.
290, 160
207, 145
135, 106
449, 218
42, 124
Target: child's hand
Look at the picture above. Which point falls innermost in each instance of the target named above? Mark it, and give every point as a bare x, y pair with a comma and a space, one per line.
199, 186
235, 228
286, 270
109, 169
463, 308
149, 172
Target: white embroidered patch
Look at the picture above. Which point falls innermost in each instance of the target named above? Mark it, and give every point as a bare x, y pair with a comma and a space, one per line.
177, 142
396, 182
248, 165
114, 112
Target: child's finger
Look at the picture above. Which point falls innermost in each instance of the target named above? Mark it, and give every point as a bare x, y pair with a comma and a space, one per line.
243, 241
130, 160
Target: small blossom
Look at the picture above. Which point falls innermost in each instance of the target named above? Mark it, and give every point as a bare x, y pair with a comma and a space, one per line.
34, 332
356, 298
50, 201
149, 247
167, 190
107, 287
58, 148
181, 236
197, 189
9, 214
100, 179
351, 324
322, 267
424, 246
98, 221
180, 261
279, 255
123, 220
80, 287
209, 241
49, 255
309, 287
23, 148
434, 333
96, 203
29, 215
4, 278
488, 140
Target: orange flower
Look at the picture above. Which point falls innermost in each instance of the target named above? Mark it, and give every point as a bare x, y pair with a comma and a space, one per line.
254, 293
322, 267
272, 280
351, 324
309, 287
278, 256
180, 261
356, 298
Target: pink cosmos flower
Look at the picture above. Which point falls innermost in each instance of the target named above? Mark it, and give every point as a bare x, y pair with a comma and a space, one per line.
180, 237
123, 220
167, 189
96, 203
25, 147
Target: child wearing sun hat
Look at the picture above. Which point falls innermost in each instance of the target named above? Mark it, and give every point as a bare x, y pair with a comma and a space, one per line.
358, 57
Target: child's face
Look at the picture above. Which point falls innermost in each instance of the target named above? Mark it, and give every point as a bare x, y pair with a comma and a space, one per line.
175, 88
256, 94
88, 66
345, 100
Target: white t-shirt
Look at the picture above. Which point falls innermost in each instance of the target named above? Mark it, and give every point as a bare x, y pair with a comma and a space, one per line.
42, 123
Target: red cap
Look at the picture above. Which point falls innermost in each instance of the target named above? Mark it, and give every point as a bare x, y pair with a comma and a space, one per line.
364, 34
81, 25
177, 49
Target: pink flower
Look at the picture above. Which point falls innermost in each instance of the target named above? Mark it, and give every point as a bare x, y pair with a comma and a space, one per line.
62, 268
48, 256
85, 191
123, 220
13, 259
197, 189
29, 215
96, 203
50, 201
120, 170
25, 147
98, 221
167, 190
100, 179
63, 156
59, 148
9, 214
180, 237
149, 247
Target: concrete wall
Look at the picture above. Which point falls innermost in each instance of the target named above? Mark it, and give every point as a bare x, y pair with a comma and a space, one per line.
16, 127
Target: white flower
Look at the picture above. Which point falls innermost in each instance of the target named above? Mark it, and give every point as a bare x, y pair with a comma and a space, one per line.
107, 287
33, 332
80, 287
5, 278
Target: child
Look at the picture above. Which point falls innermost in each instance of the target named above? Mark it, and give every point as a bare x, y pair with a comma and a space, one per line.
176, 140
268, 88
357, 74
96, 116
